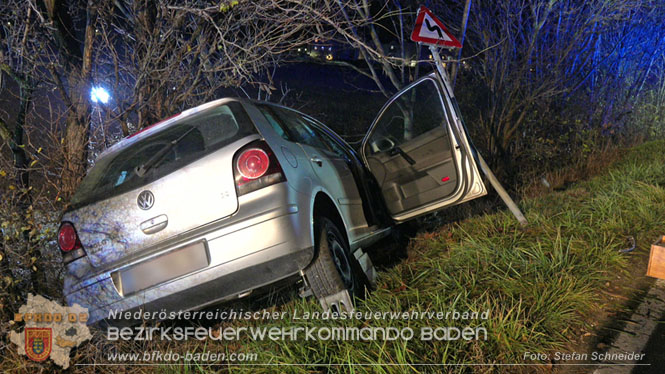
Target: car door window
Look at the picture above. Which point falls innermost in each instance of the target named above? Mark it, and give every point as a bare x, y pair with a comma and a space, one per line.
276, 125
410, 116
330, 143
409, 150
299, 129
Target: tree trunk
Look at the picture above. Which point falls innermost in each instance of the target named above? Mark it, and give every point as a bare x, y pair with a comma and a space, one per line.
77, 129
17, 147
76, 145
21, 165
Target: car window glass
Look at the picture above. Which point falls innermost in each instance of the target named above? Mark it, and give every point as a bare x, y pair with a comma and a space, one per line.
299, 128
199, 134
274, 123
330, 143
413, 114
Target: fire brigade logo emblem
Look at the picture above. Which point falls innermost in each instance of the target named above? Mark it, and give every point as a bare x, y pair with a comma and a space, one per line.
38, 343
50, 330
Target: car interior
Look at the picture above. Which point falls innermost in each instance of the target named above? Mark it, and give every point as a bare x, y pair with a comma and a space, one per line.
410, 151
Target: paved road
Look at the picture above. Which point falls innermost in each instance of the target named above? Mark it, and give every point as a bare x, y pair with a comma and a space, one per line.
645, 333
655, 351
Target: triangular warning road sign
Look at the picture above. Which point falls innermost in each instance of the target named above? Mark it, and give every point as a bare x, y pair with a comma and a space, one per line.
430, 30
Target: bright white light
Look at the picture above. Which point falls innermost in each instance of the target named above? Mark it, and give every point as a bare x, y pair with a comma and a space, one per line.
99, 94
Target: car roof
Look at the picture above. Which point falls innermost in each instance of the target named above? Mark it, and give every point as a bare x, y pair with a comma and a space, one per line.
167, 122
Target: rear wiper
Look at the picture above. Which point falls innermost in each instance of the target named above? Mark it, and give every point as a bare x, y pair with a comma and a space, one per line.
152, 161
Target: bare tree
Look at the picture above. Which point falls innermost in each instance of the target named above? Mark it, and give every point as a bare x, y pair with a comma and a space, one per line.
381, 32
177, 54
156, 57
526, 61
543, 58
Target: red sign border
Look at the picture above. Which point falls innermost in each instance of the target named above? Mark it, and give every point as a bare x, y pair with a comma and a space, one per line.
419, 25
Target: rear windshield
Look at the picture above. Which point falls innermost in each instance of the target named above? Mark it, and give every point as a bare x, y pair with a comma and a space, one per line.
196, 135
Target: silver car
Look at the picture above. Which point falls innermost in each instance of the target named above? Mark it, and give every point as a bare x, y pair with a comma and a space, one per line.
234, 195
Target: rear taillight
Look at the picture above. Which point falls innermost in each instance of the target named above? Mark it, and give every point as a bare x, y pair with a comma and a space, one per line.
255, 166
67, 238
69, 243
253, 163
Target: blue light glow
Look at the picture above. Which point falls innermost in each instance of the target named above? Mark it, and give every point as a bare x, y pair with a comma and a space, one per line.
99, 94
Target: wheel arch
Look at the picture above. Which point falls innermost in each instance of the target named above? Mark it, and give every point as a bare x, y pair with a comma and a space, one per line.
323, 206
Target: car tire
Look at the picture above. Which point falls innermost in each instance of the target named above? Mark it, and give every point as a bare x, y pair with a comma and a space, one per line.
335, 268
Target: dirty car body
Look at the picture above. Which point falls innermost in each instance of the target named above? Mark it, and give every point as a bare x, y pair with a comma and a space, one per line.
235, 195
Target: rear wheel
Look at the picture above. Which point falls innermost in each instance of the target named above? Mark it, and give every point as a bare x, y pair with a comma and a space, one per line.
335, 268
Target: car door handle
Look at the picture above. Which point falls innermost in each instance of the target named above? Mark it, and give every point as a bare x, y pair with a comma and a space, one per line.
317, 161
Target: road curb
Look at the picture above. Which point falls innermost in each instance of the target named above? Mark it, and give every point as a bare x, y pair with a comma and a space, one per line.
637, 331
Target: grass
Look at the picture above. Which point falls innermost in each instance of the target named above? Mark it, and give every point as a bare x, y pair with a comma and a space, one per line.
541, 284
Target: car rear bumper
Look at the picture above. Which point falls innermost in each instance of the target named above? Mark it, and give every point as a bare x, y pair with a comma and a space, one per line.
252, 251
246, 275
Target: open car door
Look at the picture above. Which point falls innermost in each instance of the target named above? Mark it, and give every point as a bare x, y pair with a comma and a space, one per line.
419, 152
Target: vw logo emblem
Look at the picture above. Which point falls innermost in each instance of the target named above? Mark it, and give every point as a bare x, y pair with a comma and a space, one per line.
145, 200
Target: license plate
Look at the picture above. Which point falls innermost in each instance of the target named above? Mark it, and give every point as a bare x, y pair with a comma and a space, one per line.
161, 269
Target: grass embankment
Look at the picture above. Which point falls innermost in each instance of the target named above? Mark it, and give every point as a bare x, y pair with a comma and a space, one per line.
541, 284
